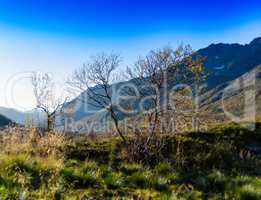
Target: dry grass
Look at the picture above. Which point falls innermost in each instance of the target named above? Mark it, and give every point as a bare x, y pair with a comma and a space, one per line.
17, 140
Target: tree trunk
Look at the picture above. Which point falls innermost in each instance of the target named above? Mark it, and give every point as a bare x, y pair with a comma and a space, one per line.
49, 122
116, 123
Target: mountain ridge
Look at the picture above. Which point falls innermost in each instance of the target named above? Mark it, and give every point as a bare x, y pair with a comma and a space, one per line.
223, 63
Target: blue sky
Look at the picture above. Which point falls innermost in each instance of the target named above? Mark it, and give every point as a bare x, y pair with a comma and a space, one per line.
108, 19
59, 35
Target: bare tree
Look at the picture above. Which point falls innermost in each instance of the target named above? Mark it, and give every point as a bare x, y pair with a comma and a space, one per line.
46, 100
155, 75
158, 70
94, 79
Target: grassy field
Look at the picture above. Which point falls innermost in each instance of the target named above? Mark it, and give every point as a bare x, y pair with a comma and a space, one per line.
217, 164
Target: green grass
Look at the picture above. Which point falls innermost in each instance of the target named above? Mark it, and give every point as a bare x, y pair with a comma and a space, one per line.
211, 170
34, 178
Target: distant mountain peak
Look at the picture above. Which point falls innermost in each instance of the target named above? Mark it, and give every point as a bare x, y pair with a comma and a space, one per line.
223, 45
225, 62
256, 41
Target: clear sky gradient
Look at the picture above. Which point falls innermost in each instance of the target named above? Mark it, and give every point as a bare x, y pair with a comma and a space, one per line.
57, 36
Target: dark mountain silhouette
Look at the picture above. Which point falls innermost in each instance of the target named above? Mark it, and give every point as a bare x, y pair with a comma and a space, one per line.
13, 114
226, 62
4, 121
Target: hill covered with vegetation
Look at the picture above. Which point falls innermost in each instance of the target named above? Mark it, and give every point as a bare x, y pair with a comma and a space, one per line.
222, 163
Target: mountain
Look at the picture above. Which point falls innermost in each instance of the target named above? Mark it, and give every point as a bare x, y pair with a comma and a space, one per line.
4, 121
13, 114
223, 64
239, 97
22, 117
226, 62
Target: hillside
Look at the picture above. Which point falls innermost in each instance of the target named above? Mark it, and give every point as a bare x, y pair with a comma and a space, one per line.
22, 117
223, 64
223, 162
237, 97
4, 121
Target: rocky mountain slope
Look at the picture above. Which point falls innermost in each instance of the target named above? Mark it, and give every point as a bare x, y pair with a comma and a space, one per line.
224, 65
239, 99
226, 62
